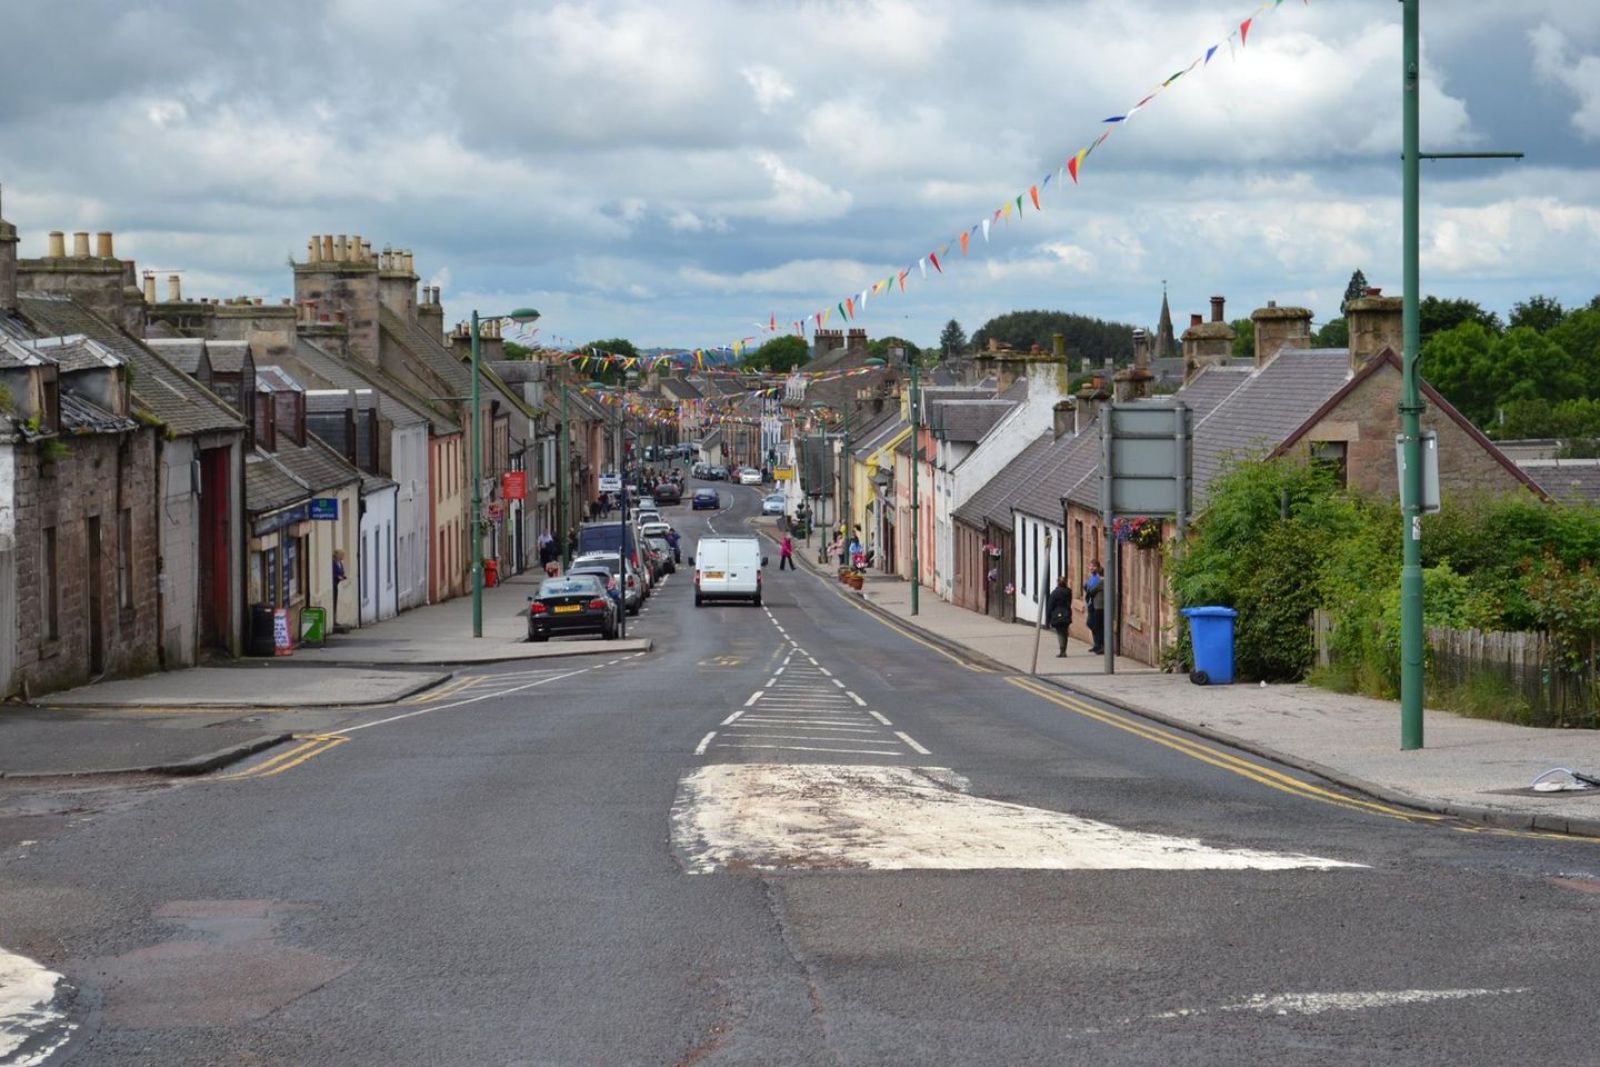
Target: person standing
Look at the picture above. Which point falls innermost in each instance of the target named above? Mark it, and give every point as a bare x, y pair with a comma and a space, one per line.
1058, 613
786, 553
1094, 600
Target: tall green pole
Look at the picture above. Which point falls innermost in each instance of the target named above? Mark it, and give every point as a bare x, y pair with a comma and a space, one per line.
474, 533
916, 506
563, 480
845, 473
1411, 406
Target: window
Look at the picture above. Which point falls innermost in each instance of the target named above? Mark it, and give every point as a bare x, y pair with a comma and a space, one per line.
1036, 561
388, 555
49, 603
125, 558
1333, 455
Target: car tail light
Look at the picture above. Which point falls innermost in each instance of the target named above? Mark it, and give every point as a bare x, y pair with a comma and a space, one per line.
697, 577
538, 608
597, 605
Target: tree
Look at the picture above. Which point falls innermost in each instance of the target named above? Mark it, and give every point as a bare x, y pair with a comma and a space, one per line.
609, 370
884, 347
1436, 315
1095, 340
1480, 372
1457, 363
779, 355
1357, 287
952, 339
516, 351
1541, 313
1335, 333
1244, 338
1579, 336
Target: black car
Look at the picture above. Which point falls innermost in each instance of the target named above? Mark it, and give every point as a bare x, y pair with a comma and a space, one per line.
705, 498
663, 548
574, 604
669, 493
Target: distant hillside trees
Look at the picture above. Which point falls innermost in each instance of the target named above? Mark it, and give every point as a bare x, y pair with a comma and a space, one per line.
1094, 340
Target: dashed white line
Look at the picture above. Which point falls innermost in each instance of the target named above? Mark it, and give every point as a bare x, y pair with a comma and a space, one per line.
729, 720
858, 700
879, 716
757, 695
826, 672
705, 742
838, 683
813, 748
918, 749
772, 681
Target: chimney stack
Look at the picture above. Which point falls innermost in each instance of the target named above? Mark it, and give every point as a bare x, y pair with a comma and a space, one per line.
327, 248
1216, 309
1206, 343
8, 265
1141, 348
174, 289
57, 247
149, 288
80, 245
102, 247
1064, 417
1196, 320
1375, 324
1279, 328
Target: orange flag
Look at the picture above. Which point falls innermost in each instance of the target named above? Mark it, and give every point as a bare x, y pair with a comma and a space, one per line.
963, 242
1034, 192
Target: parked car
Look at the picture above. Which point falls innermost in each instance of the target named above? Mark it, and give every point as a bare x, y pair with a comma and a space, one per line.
654, 529
600, 538
717, 474
705, 498
750, 476
654, 564
572, 604
606, 566
774, 504
646, 515
727, 568
669, 493
699, 470
645, 503
662, 546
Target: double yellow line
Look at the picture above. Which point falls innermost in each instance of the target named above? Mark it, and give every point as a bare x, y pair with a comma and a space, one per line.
1244, 768
311, 745
440, 692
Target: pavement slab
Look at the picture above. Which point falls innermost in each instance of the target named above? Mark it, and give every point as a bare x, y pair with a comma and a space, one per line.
247, 686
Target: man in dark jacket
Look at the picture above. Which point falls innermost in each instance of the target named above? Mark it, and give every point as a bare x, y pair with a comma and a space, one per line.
1094, 599
1058, 612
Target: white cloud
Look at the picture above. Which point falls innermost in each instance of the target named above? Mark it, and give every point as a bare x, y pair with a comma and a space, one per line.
1554, 58
797, 196
768, 86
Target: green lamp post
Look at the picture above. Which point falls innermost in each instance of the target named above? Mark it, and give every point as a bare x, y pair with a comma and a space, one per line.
521, 316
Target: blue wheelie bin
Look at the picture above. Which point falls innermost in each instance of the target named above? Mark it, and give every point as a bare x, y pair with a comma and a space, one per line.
1211, 635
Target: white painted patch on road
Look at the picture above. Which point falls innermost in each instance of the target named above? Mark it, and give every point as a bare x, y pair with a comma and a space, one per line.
918, 749
814, 748
757, 695
1320, 1003
859, 702
774, 816
700, 749
729, 721
32, 1026
879, 716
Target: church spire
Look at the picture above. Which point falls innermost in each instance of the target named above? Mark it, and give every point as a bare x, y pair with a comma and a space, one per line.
1166, 342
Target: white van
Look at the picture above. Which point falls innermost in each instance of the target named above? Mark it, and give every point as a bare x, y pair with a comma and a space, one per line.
727, 568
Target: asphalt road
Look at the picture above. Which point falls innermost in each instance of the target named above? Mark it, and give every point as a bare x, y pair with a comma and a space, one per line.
888, 856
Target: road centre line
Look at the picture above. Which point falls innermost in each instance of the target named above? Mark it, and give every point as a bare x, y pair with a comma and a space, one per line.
826, 672
772, 681
731, 718
757, 695
851, 694
471, 700
700, 749
838, 683
918, 749
880, 718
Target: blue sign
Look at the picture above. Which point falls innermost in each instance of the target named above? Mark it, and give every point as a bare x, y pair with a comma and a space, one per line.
325, 508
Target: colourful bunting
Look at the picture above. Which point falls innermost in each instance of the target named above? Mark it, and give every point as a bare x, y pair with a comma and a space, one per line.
1244, 31
963, 242
1034, 192
934, 259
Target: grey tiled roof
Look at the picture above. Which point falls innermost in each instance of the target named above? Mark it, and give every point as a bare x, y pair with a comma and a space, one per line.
1070, 468
84, 416
1567, 481
394, 404
77, 353
268, 486
181, 403
185, 353
17, 353
316, 465
227, 357
881, 434
992, 503
439, 360
967, 420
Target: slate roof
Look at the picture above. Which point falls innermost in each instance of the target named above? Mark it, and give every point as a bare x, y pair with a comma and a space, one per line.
76, 353
968, 420
185, 353
438, 359
1569, 481
1070, 466
16, 352
880, 434
85, 416
227, 357
180, 402
395, 405
268, 485
992, 503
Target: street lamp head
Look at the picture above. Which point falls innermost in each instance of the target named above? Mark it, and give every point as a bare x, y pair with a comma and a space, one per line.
523, 316
873, 361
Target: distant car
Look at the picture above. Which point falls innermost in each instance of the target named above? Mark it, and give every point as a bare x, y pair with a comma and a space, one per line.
699, 470
717, 474
705, 498
606, 567
572, 604
664, 547
750, 476
646, 515
669, 493
644, 503
774, 504
727, 568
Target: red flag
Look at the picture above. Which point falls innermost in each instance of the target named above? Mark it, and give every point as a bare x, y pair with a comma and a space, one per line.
1244, 31
1034, 192
1072, 169
963, 244
935, 261
903, 279
849, 308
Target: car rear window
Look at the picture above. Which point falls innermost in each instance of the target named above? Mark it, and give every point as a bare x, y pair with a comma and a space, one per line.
567, 586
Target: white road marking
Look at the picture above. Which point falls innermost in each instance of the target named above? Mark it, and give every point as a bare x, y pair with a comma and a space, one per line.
825, 727
844, 723
28, 1012
813, 748
732, 718
772, 681
858, 700
1318, 1003
879, 716
757, 695
886, 817
469, 700
802, 737
700, 749
814, 663
838, 683
918, 749
826, 671
779, 671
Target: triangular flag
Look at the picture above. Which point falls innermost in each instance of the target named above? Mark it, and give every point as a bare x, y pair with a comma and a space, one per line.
842, 315
1075, 162
849, 308
934, 259
1116, 118
772, 323
943, 249
923, 264
1006, 211
1034, 192
1019, 203
986, 231
903, 279
1244, 31
1046, 183
963, 242
1210, 52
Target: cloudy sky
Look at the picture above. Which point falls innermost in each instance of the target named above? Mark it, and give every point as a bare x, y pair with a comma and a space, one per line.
676, 171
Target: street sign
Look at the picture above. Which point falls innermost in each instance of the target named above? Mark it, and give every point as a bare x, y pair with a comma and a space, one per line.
514, 485
493, 511
325, 508
281, 644
782, 474
611, 483
1430, 468
313, 625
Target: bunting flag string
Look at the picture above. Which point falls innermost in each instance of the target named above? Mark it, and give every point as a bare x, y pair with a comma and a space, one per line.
852, 305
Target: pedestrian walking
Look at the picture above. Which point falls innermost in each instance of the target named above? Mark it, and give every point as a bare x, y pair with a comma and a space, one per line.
1058, 613
786, 553
1094, 600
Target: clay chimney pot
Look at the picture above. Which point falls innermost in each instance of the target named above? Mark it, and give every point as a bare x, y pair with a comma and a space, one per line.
103, 246
1216, 309
58, 245
80, 245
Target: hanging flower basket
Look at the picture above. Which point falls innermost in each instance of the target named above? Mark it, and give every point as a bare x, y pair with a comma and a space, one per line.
992, 551
1140, 532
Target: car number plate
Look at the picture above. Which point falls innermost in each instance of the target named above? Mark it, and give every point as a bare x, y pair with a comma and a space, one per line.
566, 609
713, 574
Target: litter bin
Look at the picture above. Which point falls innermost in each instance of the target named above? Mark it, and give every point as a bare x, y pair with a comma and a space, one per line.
1211, 635
491, 573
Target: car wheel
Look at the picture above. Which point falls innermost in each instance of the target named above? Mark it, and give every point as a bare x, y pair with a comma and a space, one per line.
634, 610
608, 632
698, 600
758, 600
539, 638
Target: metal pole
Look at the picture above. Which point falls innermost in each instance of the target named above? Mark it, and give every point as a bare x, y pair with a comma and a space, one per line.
1108, 586
916, 506
1038, 629
844, 466
1411, 406
477, 492
563, 481
622, 539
